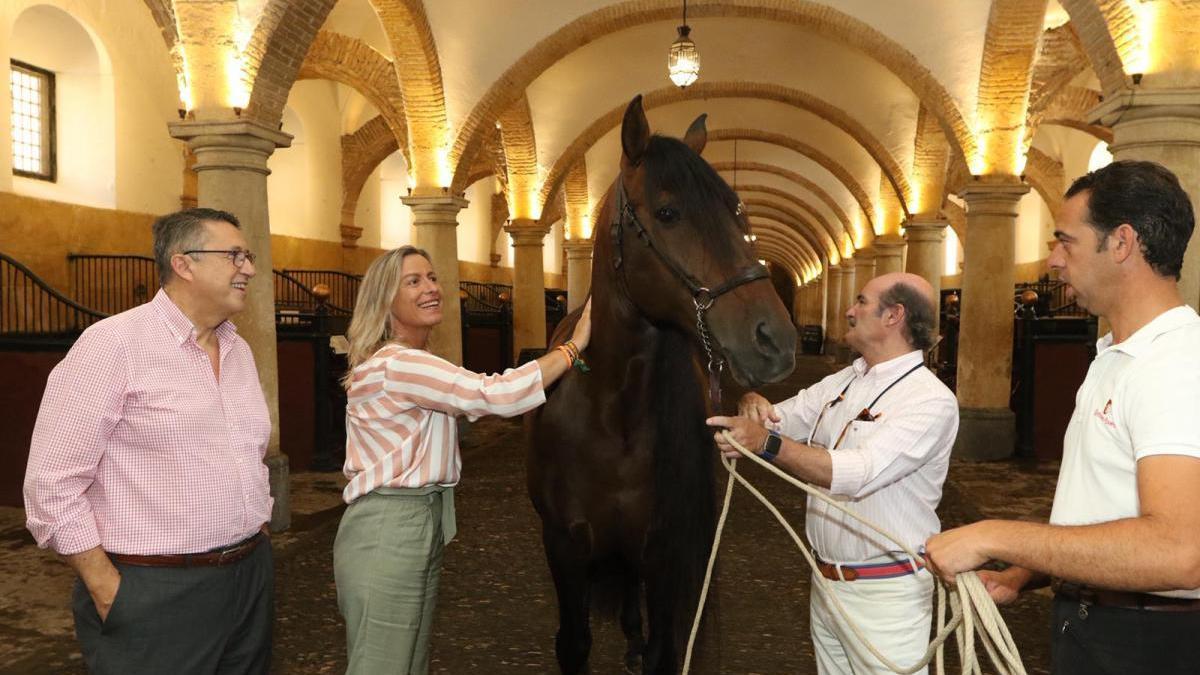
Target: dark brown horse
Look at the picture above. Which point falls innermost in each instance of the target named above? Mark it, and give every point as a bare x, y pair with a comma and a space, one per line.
621, 464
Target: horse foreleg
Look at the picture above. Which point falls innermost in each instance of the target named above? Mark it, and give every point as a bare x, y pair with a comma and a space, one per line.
569, 568
631, 621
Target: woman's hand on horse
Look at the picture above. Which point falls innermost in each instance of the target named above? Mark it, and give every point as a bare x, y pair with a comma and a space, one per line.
757, 408
583, 327
748, 433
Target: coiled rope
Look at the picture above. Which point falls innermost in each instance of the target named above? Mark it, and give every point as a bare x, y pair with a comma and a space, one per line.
972, 610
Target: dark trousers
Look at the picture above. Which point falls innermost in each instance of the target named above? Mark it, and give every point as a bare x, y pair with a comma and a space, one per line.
182, 621
1091, 640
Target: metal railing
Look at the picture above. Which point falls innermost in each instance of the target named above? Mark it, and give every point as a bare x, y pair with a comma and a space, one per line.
112, 283
31, 308
1052, 300
343, 287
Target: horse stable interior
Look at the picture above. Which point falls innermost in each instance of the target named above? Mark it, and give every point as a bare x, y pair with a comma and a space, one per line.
862, 137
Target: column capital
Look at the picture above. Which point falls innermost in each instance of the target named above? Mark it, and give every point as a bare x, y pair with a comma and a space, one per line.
242, 145
578, 249
996, 197
1150, 117
435, 209
888, 245
526, 232
921, 230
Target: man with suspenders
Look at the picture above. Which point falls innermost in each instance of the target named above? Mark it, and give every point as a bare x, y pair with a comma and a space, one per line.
877, 434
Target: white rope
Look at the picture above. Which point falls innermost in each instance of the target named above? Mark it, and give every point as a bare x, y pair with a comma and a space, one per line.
971, 608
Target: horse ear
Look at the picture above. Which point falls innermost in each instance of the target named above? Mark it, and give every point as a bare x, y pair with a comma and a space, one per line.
697, 135
635, 131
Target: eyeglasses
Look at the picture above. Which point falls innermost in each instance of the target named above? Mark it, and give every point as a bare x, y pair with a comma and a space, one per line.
236, 256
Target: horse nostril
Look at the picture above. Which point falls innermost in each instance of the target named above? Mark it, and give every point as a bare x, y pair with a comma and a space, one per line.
765, 341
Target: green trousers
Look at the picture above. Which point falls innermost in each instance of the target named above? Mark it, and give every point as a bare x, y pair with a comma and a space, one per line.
387, 561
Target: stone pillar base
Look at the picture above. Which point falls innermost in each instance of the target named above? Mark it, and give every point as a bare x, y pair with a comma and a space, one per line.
278, 478
985, 434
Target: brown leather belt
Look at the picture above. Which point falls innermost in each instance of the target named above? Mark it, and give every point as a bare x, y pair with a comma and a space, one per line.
215, 558
1123, 599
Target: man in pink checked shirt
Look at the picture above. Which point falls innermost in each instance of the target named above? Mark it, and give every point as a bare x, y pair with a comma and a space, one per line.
145, 470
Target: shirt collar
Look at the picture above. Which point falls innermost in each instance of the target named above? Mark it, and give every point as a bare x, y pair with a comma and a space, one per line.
894, 366
180, 326
1137, 344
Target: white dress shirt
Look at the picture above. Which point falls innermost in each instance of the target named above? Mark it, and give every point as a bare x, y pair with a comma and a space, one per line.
1140, 398
890, 469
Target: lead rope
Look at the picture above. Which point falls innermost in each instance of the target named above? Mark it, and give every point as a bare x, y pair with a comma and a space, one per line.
970, 606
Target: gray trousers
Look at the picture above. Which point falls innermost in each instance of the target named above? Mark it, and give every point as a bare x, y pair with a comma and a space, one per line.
387, 562
182, 621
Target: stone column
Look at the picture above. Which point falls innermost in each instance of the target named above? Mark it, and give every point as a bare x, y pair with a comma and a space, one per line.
1162, 125
889, 254
579, 271
927, 254
435, 229
864, 271
987, 428
849, 289
529, 284
833, 299
231, 175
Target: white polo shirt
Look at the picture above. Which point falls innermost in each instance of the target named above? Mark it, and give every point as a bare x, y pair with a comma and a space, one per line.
1140, 398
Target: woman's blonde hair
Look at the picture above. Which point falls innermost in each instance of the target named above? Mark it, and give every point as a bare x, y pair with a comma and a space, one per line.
371, 325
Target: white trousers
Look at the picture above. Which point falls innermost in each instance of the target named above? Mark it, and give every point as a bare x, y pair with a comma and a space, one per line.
895, 614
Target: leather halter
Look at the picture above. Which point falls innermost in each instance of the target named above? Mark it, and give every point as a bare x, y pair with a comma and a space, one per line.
702, 296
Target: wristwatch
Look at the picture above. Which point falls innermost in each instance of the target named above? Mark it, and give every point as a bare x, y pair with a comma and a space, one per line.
770, 447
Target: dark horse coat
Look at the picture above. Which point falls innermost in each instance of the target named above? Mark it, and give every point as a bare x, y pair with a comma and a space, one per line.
621, 464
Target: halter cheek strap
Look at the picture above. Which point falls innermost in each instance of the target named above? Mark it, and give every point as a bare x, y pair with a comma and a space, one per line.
702, 296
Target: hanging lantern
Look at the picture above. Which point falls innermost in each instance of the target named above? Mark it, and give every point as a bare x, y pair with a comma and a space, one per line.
683, 61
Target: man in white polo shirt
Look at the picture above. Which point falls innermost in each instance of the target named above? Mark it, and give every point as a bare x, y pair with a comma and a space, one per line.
1123, 546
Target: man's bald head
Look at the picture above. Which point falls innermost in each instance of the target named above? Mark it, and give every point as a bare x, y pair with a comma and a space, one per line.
916, 296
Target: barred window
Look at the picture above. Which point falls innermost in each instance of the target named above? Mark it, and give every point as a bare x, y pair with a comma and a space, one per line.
32, 121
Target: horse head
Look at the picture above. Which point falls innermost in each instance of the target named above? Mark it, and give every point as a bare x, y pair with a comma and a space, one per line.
678, 240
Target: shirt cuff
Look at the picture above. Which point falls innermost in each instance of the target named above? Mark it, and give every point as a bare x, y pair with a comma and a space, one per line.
849, 472
74, 538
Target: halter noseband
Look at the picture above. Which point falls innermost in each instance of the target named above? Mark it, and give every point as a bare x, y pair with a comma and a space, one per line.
702, 296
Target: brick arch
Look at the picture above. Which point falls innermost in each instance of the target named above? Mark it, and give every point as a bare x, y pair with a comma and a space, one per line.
793, 200
1009, 47
824, 243
1060, 60
805, 14
799, 232
520, 154
799, 147
276, 50
354, 63
787, 174
751, 90
1070, 109
415, 56
1045, 175
772, 253
1108, 30
786, 265
772, 237
362, 151
771, 231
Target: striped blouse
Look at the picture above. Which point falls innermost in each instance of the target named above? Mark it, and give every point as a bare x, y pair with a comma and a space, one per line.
400, 427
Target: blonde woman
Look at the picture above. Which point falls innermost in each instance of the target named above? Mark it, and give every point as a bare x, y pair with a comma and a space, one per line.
402, 457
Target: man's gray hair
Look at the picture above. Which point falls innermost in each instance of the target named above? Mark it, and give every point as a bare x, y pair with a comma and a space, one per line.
919, 313
183, 231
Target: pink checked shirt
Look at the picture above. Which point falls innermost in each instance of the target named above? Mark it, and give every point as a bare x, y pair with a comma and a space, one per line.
138, 448
400, 429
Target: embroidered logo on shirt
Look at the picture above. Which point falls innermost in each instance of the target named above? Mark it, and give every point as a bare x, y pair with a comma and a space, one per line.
1105, 415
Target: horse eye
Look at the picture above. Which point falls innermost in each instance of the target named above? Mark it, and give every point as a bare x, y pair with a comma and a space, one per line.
666, 215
